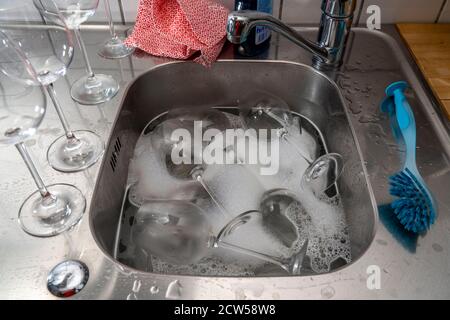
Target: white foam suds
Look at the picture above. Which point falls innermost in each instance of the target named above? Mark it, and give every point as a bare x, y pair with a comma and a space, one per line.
239, 188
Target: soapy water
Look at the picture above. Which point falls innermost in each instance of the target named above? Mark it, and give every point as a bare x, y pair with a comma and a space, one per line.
324, 224
240, 188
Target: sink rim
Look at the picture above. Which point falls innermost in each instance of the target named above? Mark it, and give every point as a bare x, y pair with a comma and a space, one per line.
127, 269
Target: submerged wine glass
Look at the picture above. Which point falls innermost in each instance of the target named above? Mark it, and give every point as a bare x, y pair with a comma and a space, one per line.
322, 172
189, 122
92, 88
114, 48
178, 232
48, 49
51, 209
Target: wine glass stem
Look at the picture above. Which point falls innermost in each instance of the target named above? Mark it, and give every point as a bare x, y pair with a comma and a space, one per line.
285, 135
213, 197
76, 30
59, 111
296, 148
110, 19
275, 117
30, 165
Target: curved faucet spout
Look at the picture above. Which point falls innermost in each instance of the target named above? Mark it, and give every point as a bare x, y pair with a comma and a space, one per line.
240, 23
335, 24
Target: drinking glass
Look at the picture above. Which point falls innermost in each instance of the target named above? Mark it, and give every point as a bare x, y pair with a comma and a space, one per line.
192, 121
51, 209
113, 48
178, 231
48, 49
92, 88
273, 113
273, 207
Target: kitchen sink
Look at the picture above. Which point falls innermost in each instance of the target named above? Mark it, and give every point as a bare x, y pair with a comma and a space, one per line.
309, 93
407, 267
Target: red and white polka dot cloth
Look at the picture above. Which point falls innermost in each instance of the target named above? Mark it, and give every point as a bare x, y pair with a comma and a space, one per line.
180, 28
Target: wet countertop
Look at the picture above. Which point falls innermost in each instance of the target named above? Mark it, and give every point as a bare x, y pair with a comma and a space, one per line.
406, 267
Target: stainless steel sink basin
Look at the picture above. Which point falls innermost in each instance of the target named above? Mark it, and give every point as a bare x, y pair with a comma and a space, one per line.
308, 92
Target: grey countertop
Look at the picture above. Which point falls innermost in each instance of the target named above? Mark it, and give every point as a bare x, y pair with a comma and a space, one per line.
25, 261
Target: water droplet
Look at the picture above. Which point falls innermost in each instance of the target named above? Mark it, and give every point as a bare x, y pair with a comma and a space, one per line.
368, 118
132, 296
437, 247
174, 290
136, 286
327, 292
154, 289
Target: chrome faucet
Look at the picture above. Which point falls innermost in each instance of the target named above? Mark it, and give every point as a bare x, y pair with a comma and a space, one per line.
335, 25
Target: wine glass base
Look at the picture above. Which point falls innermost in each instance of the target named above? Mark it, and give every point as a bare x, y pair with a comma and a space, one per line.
67, 155
41, 218
115, 49
94, 90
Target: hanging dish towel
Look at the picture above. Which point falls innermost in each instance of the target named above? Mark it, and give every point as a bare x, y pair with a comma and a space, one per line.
180, 28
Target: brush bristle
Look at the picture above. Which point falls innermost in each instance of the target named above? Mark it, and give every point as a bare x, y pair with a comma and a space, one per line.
414, 208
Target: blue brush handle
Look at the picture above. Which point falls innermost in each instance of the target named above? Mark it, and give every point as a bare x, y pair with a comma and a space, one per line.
407, 125
402, 110
387, 106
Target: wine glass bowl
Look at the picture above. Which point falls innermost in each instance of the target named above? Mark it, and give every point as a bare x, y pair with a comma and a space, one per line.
274, 205
173, 230
47, 51
178, 232
263, 110
247, 234
176, 136
75, 12
72, 12
322, 172
22, 109
187, 121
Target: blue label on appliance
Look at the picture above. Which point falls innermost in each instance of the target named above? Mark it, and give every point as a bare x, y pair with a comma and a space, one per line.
263, 33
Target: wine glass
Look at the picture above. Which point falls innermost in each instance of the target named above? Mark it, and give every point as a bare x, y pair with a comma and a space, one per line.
174, 230
178, 231
51, 209
115, 47
92, 88
271, 113
189, 122
273, 208
48, 49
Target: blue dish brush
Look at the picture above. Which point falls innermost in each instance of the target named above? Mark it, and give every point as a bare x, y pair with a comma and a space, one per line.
415, 207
